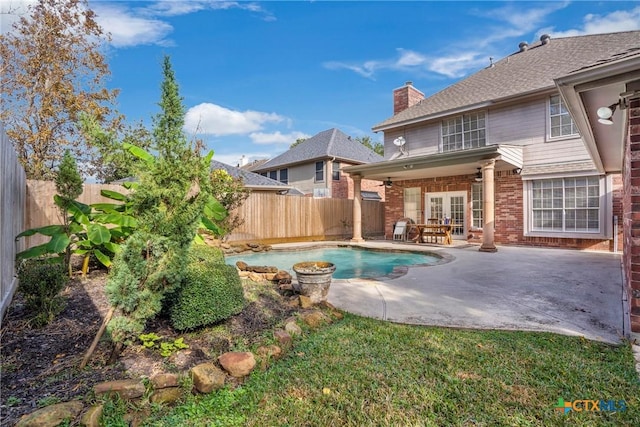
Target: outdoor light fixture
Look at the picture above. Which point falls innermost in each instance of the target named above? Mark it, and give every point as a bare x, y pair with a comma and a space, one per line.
517, 171
605, 114
479, 175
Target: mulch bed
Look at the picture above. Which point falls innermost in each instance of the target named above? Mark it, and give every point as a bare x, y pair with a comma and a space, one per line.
41, 366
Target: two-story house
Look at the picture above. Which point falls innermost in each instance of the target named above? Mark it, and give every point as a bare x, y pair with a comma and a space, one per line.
314, 167
500, 155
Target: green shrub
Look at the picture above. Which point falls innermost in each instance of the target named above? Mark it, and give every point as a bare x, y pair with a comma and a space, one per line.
210, 293
41, 281
206, 254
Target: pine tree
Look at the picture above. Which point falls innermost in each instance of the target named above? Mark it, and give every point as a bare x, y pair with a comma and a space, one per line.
169, 203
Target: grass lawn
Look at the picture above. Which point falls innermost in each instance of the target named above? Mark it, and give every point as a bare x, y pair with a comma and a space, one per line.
363, 372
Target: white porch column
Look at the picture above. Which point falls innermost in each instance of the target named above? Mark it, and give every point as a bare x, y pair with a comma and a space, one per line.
357, 210
488, 207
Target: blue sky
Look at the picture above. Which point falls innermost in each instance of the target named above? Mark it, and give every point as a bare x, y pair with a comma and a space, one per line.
255, 76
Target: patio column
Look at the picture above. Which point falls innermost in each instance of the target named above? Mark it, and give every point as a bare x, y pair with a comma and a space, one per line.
357, 210
488, 207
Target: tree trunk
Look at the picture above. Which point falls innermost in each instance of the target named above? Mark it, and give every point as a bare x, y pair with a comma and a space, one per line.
94, 344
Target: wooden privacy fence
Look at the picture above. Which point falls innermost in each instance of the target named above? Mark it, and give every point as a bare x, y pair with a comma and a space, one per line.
12, 209
273, 218
41, 210
268, 217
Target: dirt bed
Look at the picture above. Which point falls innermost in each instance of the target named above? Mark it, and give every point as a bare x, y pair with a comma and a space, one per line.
41, 366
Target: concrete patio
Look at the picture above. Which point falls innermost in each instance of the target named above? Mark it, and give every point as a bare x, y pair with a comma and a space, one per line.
518, 288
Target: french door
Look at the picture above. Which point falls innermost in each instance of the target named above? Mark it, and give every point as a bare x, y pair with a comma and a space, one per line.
450, 205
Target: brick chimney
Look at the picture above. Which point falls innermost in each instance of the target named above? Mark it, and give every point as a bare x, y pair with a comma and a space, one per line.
405, 97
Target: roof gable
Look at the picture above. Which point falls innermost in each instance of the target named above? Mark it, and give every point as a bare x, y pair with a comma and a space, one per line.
326, 144
519, 74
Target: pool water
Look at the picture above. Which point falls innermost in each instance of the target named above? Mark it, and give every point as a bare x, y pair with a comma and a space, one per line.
349, 262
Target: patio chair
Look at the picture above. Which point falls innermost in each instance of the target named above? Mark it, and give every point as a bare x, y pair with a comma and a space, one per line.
399, 231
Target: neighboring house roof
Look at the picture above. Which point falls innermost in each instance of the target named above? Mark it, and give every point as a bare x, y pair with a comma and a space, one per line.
254, 165
522, 73
250, 179
326, 144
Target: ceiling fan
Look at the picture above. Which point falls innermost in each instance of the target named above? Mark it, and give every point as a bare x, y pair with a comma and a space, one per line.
387, 183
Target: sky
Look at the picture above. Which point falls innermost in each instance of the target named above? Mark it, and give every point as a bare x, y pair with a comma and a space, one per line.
256, 76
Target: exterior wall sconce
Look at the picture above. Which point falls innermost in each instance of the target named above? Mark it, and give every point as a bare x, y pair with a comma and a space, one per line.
479, 175
517, 171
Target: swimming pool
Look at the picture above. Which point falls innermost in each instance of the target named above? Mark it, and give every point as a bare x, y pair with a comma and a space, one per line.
349, 262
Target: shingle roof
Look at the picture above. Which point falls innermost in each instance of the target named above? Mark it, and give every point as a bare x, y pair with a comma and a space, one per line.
250, 179
329, 143
522, 73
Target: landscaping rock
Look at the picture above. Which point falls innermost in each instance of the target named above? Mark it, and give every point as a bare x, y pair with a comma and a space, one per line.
91, 417
270, 351
315, 319
262, 269
255, 277
207, 377
165, 380
125, 389
282, 277
268, 276
243, 266
292, 328
283, 338
53, 415
166, 395
285, 287
238, 364
305, 302
266, 353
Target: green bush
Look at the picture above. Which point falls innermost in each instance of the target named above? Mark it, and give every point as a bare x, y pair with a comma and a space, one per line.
210, 293
206, 254
41, 281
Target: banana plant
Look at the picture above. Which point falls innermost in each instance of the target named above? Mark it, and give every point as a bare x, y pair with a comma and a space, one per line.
88, 233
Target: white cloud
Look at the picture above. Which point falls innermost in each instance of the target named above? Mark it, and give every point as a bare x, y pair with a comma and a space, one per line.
514, 20
11, 11
620, 20
128, 29
277, 137
212, 119
176, 8
457, 65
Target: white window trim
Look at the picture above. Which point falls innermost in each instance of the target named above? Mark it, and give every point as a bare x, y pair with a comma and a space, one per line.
548, 119
486, 130
472, 227
606, 208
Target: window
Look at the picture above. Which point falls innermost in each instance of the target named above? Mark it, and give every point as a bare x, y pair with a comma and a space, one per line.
319, 171
566, 205
561, 123
412, 204
336, 171
476, 206
273, 175
463, 132
284, 176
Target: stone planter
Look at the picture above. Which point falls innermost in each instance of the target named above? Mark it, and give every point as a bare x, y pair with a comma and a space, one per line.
314, 278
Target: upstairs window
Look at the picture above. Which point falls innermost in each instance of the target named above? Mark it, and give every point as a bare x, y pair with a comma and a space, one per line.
336, 171
560, 121
273, 175
319, 171
464, 132
284, 176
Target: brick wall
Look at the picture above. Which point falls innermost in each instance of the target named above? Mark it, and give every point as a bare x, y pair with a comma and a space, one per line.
344, 189
509, 227
631, 209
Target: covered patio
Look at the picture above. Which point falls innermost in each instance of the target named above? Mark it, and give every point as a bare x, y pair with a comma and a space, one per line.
478, 164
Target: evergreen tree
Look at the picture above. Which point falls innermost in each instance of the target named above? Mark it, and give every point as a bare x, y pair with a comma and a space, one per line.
169, 202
